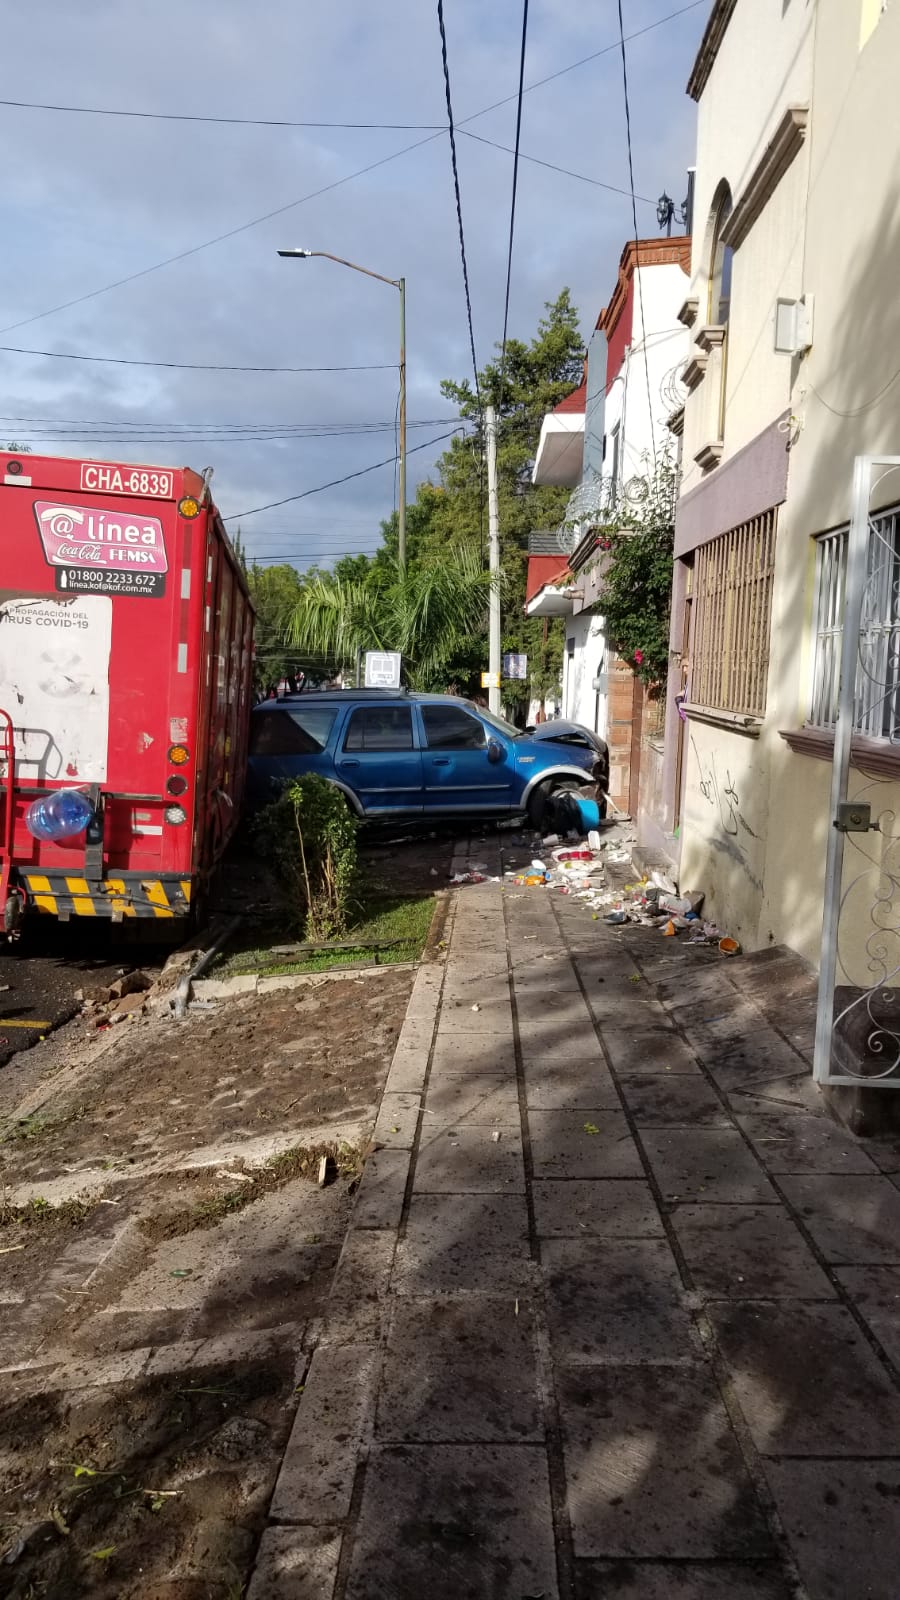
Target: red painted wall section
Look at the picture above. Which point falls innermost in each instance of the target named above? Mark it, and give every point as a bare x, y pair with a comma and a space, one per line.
619, 337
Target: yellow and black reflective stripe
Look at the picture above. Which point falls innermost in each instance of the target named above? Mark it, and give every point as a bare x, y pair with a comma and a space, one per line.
61, 894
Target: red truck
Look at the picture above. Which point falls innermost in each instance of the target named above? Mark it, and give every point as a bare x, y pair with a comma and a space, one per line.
126, 635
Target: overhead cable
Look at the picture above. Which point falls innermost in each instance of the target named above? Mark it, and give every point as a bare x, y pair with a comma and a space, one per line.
361, 473
515, 185
456, 190
637, 267
185, 366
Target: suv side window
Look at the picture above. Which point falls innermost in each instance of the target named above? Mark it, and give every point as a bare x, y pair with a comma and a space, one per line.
380, 728
316, 723
451, 728
276, 733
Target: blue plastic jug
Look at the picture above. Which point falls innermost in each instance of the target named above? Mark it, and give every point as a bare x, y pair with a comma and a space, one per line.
60, 815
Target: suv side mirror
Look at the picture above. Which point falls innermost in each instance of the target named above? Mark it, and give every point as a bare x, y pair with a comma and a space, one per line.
495, 751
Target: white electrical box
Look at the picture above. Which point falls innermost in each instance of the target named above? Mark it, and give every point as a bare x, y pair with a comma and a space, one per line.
793, 325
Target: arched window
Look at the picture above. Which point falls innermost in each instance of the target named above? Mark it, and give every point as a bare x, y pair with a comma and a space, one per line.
720, 257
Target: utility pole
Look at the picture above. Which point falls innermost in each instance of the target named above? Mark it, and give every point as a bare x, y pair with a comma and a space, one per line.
401, 444
490, 428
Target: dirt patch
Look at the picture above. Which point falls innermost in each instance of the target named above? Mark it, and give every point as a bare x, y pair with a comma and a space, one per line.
227, 1076
155, 1491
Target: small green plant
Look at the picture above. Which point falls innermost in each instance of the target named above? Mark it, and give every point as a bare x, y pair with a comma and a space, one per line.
309, 834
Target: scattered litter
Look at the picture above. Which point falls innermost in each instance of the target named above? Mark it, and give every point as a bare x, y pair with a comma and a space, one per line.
495, 1136
729, 947
476, 1008
468, 877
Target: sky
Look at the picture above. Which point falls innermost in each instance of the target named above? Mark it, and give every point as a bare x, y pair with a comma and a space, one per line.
91, 199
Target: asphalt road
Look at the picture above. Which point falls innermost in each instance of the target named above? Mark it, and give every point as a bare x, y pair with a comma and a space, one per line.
41, 974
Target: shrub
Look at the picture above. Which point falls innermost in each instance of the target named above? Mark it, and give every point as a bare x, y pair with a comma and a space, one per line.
309, 834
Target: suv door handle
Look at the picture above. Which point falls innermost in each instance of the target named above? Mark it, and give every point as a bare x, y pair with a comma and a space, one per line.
348, 763
440, 761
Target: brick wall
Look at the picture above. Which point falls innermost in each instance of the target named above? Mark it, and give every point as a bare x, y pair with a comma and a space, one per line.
624, 735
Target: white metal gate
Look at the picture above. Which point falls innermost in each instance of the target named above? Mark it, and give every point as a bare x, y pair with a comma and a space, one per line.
858, 603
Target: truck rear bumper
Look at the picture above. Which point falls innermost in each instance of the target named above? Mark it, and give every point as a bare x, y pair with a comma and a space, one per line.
127, 894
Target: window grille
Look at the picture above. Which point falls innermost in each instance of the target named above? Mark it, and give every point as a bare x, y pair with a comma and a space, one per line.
732, 604
877, 690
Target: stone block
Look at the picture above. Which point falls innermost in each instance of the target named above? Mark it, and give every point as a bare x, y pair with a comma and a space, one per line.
446, 1521
618, 1208
842, 1524
652, 1050
653, 1468
876, 1295
316, 1478
379, 1202
807, 1381
587, 1143
469, 1161
295, 1564
615, 1301
706, 1164
748, 1253
853, 1220
660, 1101
792, 1141
465, 1243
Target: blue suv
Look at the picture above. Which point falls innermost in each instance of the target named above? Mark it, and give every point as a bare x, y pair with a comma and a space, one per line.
398, 754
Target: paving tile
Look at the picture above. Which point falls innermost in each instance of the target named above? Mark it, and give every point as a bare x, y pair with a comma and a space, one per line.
355, 1312
493, 1015
491, 1102
625, 1005
660, 1100
465, 1243
397, 1121
876, 1294
706, 1164
587, 1143
853, 1220
295, 1564
653, 1468
885, 1152
688, 1580
460, 1371
615, 1208
842, 1524
748, 1253
725, 1021
379, 1202
560, 1009
652, 1050
454, 1521
464, 1054
807, 1381
577, 1045
319, 1465
790, 1141
469, 1161
569, 1085
546, 970
410, 1063
610, 1300
756, 1055
797, 1092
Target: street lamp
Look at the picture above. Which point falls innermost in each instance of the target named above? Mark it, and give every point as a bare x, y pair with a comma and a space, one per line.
395, 283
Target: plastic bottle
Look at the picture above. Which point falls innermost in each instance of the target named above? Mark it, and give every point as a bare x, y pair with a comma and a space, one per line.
60, 815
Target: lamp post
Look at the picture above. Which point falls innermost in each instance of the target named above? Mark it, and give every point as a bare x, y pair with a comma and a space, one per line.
395, 283
667, 212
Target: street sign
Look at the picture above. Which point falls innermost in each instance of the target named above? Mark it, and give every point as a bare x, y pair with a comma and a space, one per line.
490, 680
514, 665
382, 669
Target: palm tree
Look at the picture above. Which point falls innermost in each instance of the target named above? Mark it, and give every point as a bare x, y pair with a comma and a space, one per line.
427, 613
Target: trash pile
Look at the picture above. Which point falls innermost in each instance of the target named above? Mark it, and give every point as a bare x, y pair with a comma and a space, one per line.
578, 868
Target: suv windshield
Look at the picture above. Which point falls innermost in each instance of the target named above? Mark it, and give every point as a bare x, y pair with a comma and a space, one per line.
500, 723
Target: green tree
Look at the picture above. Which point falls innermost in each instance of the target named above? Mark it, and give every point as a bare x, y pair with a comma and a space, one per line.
637, 550
274, 591
438, 616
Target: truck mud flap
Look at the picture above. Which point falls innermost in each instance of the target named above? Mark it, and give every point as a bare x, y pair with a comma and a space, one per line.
64, 895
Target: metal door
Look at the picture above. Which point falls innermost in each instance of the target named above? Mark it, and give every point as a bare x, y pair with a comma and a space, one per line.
858, 622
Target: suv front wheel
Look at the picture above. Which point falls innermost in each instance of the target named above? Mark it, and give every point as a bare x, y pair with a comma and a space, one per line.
537, 801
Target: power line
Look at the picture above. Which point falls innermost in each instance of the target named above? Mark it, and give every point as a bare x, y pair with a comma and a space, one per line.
637, 265
361, 473
349, 177
246, 122
182, 255
374, 426
184, 366
515, 185
459, 215
565, 171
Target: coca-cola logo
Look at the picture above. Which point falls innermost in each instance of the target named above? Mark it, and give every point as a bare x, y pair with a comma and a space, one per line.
115, 538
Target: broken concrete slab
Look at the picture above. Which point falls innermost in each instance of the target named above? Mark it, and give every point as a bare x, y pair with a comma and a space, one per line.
316, 1478
295, 1564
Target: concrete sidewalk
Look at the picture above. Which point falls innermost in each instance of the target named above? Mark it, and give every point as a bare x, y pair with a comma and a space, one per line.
619, 1313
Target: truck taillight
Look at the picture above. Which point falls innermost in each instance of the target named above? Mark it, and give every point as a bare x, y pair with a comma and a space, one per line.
179, 755
176, 784
175, 814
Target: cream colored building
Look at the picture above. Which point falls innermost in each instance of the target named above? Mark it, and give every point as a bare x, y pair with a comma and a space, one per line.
793, 372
